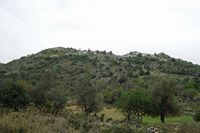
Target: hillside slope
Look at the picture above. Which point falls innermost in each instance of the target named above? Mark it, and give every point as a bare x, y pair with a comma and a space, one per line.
105, 69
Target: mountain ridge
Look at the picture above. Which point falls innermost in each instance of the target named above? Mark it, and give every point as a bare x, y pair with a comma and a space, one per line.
132, 53
134, 58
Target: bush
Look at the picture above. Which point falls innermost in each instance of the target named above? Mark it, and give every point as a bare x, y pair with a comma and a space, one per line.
196, 116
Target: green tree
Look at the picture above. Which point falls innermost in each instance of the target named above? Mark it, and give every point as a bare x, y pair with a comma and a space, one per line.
196, 116
163, 97
136, 103
56, 100
49, 95
124, 105
13, 96
89, 101
191, 90
88, 98
110, 96
38, 93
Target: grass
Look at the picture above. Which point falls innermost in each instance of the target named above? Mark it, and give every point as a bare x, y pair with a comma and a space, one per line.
35, 122
74, 109
169, 120
112, 113
116, 114
18, 122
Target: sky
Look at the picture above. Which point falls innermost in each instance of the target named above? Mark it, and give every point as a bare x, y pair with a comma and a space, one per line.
121, 26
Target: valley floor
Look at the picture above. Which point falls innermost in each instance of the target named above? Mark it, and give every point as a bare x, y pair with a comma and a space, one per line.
33, 121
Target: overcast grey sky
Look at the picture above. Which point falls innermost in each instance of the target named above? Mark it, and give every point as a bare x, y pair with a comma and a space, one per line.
170, 26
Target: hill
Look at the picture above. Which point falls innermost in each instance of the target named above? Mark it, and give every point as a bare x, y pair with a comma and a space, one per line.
104, 68
98, 91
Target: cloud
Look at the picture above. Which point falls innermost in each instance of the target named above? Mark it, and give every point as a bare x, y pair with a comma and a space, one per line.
170, 26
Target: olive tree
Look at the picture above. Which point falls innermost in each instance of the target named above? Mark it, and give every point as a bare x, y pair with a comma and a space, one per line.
163, 97
88, 98
56, 100
49, 95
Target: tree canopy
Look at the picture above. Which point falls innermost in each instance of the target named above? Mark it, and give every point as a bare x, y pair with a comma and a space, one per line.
163, 97
13, 96
134, 103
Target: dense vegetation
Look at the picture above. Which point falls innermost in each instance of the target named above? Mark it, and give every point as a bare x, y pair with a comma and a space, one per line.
70, 90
